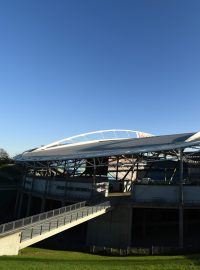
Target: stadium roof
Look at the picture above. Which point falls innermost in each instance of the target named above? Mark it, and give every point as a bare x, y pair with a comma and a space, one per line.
110, 147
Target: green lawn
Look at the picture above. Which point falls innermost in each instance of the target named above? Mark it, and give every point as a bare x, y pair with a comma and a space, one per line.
35, 258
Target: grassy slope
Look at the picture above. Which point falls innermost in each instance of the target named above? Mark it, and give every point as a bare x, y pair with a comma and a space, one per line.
34, 258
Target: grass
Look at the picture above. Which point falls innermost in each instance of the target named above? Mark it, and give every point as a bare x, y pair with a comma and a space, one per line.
35, 258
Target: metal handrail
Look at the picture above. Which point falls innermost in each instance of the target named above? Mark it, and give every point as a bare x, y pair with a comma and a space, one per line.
17, 224
32, 232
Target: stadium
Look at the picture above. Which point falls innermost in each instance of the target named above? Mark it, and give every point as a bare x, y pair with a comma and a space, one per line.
110, 188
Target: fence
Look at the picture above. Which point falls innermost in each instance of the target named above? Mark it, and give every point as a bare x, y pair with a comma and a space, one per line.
70, 217
11, 226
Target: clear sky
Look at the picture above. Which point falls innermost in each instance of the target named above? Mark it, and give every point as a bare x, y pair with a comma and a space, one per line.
73, 66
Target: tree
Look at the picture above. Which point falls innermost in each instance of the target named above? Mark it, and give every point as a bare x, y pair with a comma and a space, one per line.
4, 157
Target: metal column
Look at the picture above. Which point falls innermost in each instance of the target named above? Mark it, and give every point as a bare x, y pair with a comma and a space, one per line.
181, 200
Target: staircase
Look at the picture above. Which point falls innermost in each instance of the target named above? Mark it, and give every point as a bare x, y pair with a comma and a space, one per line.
22, 233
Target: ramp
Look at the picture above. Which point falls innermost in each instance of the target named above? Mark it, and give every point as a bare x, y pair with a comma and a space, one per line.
22, 233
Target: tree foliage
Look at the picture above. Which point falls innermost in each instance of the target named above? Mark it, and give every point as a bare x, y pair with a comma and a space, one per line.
4, 156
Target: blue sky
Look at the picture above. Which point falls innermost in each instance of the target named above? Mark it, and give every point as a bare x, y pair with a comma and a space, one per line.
73, 66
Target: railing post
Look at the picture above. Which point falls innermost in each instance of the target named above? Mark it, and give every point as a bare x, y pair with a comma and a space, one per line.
32, 233
21, 237
40, 229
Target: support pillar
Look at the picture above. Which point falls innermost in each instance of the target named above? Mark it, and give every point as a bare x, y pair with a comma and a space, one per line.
43, 205
28, 206
20, 205
181, 200
114, 229
17, 204
94, 180
144, 226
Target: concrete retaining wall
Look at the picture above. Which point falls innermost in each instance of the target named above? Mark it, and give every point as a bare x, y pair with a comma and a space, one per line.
112, 229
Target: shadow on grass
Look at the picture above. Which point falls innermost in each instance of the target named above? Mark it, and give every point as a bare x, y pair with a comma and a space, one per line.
194, 258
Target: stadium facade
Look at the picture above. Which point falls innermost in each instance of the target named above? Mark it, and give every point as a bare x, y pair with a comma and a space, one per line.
151, 183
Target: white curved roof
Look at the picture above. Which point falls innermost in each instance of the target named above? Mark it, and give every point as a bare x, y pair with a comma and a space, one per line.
95, 136
109, 147
194, 137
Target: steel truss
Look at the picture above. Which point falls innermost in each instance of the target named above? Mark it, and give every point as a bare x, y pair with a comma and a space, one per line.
118, 168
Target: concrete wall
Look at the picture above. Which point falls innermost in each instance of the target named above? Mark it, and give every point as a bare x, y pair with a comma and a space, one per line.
191, 194
67, 188
9, 245
165, 194
155, 193
112, 229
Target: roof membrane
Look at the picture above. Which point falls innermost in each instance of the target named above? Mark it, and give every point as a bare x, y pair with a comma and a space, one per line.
109, 147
